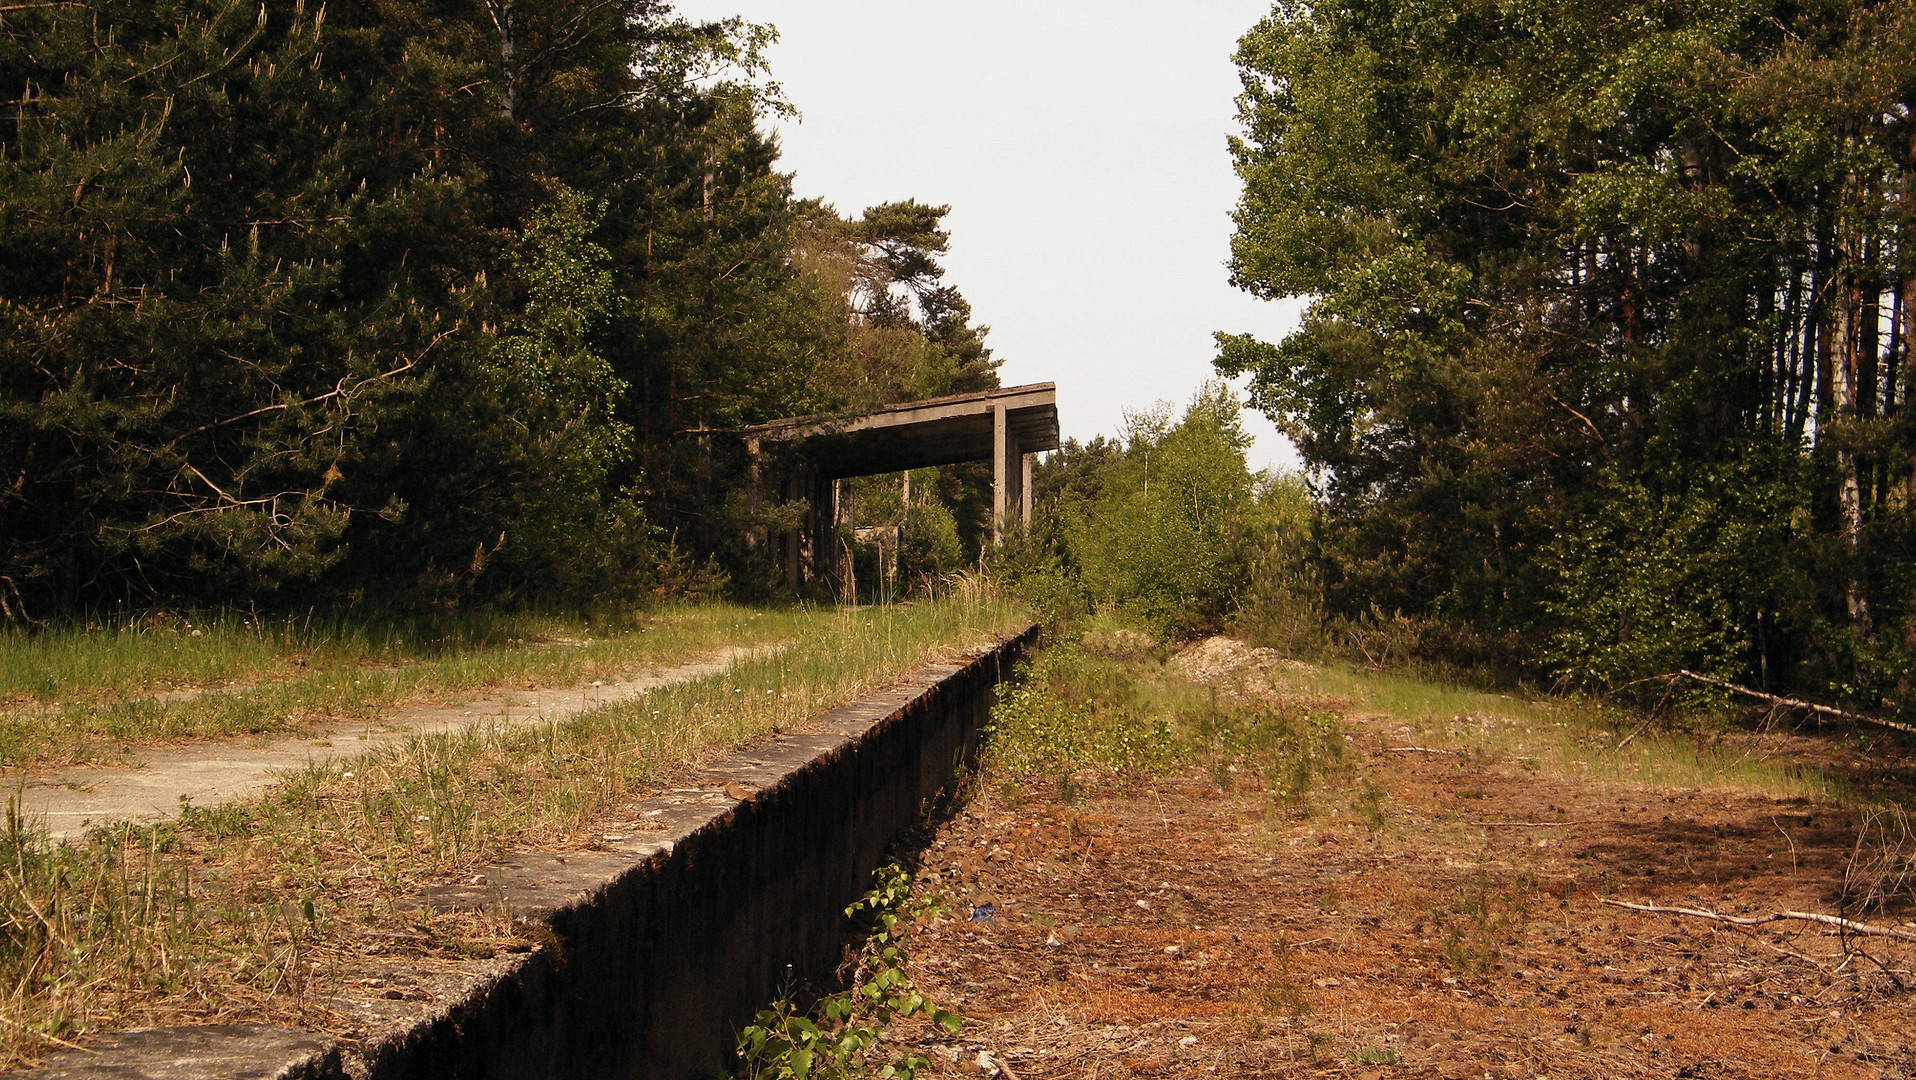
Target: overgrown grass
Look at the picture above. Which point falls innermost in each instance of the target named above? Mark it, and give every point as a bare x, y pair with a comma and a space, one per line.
1569, 735
1113, 709
253, 910
1076, 711
83, 693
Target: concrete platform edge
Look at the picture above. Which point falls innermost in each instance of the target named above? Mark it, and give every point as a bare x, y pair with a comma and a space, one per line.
693, 915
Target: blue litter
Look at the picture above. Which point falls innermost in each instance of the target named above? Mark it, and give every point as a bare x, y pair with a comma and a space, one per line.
984, 913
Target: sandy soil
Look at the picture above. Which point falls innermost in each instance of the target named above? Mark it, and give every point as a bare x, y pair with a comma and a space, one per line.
1189, 926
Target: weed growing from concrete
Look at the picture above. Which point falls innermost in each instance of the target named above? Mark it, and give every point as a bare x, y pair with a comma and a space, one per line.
839, 1036
246, 912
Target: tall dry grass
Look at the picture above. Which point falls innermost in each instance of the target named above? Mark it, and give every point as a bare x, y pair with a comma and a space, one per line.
252, 911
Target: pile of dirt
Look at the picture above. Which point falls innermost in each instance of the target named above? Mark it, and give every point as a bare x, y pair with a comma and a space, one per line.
1227, 662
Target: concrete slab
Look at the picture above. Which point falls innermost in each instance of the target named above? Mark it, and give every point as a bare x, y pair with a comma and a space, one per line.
224, 1052
920, 434
692, 909
216, 771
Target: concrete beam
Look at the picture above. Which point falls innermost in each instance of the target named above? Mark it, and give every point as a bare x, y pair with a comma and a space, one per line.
919, 434
1004, 426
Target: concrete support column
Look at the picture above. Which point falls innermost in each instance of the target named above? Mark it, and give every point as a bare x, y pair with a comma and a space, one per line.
1001, 466
823, 530
753, 498
847, 584
1024, 489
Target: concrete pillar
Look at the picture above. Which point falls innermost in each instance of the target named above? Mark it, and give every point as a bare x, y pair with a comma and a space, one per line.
753, 499
1024, 489
848, 522
1001, 466
823, 531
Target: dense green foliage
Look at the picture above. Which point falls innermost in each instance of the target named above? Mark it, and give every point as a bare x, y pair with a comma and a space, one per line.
414, 301
1169, 528
1607, 356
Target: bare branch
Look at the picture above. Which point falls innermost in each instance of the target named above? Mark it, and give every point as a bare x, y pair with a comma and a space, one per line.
341, 390
1846, 925
1797, 703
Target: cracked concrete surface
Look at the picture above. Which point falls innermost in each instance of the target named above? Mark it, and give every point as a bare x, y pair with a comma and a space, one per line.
214, 771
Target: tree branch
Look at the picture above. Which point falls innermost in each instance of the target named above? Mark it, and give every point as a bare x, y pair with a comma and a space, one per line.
1797, 703
340, 390
1848, 925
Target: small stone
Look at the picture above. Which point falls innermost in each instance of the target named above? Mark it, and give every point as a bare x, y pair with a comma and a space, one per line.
1188, 1041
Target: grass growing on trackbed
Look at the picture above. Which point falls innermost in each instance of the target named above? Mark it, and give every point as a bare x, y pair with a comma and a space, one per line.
1580, 736
251, 911
84, 693
1137, 715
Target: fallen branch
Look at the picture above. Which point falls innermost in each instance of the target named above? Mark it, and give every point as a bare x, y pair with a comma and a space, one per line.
1796, 703
1527, 824
1849, 925
1420, 750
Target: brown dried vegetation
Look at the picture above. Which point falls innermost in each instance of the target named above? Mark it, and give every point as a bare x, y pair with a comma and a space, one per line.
1428, 910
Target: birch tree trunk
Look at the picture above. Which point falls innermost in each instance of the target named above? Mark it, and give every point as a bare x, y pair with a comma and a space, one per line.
1845, 386
501, 13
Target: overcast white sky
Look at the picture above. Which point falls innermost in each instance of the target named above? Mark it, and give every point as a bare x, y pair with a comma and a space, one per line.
1081, 145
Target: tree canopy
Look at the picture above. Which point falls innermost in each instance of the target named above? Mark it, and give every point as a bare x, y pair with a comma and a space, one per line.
1607, 350
413, 300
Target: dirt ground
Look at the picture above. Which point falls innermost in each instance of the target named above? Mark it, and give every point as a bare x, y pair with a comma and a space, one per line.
1448, 924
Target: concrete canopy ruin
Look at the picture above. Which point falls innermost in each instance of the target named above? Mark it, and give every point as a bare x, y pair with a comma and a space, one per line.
1005, 426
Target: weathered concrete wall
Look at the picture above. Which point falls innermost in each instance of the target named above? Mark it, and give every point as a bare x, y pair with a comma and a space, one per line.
700, 907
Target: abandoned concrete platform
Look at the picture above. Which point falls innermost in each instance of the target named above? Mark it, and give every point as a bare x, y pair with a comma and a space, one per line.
1018, 420
1005, 426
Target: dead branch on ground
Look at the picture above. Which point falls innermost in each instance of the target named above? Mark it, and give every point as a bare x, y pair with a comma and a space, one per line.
1797, 703
1842, 924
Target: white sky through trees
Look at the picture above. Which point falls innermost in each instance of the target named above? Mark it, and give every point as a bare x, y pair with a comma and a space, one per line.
1081, 145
